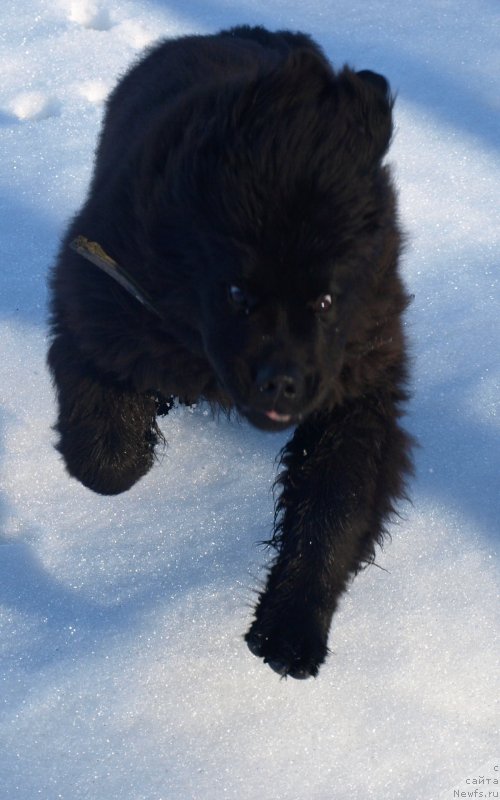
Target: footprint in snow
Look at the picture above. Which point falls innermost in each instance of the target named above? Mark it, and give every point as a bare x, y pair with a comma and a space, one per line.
94, 91
34, 106
90, 14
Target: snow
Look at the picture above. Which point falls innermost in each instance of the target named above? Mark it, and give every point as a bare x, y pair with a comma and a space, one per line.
124, 673
90, 15
34, 106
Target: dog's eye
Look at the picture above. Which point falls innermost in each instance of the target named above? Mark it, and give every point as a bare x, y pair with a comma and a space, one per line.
322, 304
241, 299
237, 296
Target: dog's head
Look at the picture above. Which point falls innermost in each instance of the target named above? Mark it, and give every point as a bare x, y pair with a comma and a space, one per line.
287, 212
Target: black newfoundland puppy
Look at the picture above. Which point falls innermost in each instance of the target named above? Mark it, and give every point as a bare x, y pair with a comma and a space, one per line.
240, 200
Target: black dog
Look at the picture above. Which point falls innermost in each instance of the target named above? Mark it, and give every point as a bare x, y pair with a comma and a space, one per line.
238, 185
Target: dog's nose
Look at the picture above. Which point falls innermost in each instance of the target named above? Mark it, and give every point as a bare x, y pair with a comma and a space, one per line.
284, 383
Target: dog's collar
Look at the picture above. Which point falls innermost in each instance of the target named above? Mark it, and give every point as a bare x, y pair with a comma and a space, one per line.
94, 253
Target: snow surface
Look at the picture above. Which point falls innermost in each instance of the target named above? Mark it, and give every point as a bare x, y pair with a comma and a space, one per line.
124, 673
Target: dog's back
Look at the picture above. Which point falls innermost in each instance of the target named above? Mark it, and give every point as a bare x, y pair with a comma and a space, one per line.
175, 67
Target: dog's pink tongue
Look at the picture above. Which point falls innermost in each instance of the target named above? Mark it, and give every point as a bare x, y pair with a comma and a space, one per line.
278, 417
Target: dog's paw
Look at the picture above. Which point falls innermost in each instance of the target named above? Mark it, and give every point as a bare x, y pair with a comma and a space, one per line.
290, 648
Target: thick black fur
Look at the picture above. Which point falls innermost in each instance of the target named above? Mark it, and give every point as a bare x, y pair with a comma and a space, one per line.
239, 181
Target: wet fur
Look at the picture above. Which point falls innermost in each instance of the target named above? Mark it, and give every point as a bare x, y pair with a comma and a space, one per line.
245, 159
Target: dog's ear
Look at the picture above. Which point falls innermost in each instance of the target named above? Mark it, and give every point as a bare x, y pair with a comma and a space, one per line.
378, 82
367, 100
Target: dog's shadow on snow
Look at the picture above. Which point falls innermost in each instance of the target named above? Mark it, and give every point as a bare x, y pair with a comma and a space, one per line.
457, 462
73, 622
29, 241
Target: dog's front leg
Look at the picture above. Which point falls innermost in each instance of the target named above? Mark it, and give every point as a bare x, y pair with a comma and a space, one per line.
343, 470
107, 431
